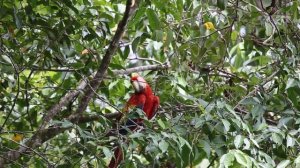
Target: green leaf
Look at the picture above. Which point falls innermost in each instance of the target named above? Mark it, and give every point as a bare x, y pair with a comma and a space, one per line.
136, 135
206, 147
222, 4
290, 141
227, 160
179, 4
262, 60
202, 52
66, 124
138, 16
291, 83
277, 138
184, 142
163, 146
169, 38
257, 111
182, 82
249, 101
182, 92
70, 5
135, 44
185, 155
116, 66
153, 20
106, 152
161, 124
111, 85
297, 161
283, 164
198, 122
287, 121
242, 159
226, 124
238, 141
18, 20
269, 28
78, 65
158, 35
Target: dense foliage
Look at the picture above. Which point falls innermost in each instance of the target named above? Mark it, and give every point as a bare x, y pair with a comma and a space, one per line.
229, 99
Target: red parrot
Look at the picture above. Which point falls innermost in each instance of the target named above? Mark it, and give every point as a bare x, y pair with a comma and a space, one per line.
142, 98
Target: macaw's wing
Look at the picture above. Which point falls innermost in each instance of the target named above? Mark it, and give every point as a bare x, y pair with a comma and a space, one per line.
136, 100
133, 120
155, 104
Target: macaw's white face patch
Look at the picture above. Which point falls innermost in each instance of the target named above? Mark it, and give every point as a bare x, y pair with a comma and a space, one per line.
138, 86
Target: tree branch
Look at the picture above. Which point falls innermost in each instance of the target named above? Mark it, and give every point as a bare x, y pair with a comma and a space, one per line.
165, 65
95, 82
72, 94
45, 134
39, 137
115, 72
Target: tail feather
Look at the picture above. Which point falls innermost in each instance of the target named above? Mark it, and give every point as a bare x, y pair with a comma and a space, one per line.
117, 159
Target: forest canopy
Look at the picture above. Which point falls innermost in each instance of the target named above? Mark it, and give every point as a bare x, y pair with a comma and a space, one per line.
226, 73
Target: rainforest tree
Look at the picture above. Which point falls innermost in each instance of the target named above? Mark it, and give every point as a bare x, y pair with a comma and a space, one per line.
226, 73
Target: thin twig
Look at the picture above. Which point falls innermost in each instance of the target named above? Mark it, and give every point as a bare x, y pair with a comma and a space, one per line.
253, 92
146, 59
201, 37
27, 99
13, 105
34, 151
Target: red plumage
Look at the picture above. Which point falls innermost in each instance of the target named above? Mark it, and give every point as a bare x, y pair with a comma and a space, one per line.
144, 99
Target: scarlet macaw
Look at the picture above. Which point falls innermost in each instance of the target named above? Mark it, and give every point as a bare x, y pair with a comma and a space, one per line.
144, 99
